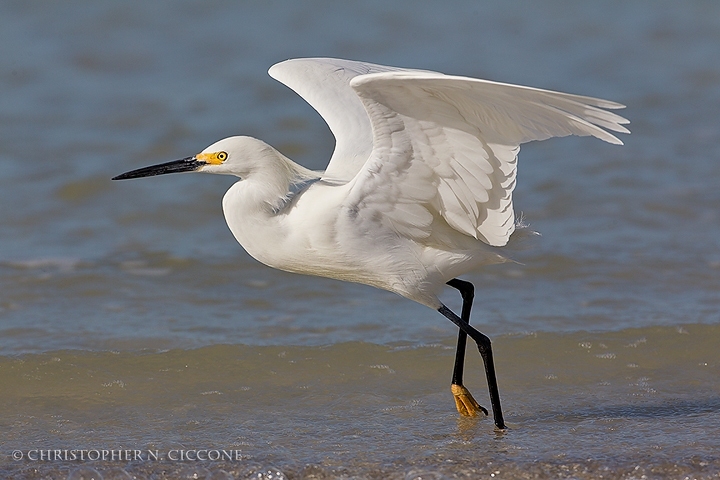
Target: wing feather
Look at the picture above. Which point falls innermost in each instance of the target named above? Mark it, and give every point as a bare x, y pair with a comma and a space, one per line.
468, 132
417, 147
325, 84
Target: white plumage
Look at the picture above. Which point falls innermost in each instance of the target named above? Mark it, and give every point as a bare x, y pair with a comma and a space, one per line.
448, 143
419, 187
422, 174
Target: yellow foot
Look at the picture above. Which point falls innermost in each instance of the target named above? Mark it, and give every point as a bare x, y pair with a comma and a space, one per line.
465, 403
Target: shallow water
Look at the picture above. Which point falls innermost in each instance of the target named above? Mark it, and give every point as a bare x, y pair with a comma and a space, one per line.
593, 403
131, 320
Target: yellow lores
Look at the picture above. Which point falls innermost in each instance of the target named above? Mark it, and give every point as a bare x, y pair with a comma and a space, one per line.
216, 158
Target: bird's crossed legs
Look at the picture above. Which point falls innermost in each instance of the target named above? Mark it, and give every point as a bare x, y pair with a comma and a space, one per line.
464, 401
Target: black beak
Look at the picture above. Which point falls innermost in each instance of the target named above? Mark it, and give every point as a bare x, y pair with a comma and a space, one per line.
189, 164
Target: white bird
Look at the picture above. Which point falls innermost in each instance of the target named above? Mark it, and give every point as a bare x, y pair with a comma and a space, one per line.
418, 190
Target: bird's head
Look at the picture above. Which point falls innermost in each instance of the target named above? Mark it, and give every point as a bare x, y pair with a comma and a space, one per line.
229, 156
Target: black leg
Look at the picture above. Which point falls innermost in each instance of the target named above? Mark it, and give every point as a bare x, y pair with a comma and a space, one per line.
483, 344
464, 401
467, 291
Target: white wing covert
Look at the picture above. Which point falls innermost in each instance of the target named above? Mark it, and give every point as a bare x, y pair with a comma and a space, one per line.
447, 146
417, 146
325, 84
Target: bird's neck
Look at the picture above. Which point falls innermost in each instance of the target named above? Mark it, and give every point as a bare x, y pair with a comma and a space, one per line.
272, 180
255, 205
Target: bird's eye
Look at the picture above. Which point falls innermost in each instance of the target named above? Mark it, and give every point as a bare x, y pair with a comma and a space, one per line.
222, 156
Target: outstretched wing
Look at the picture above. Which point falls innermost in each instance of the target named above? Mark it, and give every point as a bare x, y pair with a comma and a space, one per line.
325, 84
417, 145
447, 146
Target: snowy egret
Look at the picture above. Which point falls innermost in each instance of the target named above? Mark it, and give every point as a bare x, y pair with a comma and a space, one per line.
418, 190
